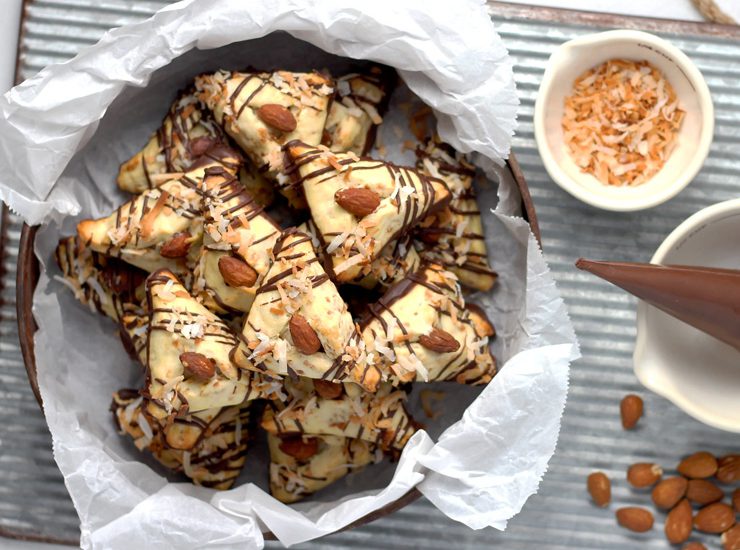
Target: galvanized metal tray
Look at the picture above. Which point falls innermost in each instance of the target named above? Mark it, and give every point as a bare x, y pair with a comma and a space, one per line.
34, 502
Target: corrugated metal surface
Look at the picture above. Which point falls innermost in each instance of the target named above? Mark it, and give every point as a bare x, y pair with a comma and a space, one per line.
559, 517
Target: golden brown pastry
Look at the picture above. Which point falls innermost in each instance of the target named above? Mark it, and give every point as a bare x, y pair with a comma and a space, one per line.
421, 331
359, 206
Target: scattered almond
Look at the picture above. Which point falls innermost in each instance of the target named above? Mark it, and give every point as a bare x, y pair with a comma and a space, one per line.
715, 518
644, 474
635, 519
358, 201
693, 545
177, 247
669, 491
277, 116
731, 538
326, 389
439, 341
198, 365
702, 491
698, 465
631, 410
299, 448
304, 337
728, 470
600, 488
736, 500
678, 523
236, 272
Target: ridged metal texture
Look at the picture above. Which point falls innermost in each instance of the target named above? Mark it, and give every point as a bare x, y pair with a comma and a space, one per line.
34, 500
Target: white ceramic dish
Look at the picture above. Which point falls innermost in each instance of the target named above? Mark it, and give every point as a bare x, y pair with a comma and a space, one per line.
695, 371
695, 136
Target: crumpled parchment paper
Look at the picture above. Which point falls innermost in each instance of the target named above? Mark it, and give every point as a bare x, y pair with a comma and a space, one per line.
64, 133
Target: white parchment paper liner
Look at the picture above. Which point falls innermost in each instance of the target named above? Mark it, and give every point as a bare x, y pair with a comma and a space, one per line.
492, 446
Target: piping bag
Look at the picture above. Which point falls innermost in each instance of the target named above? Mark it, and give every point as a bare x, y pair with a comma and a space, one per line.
706, 298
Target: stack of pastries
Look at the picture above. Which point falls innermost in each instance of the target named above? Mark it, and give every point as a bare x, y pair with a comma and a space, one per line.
313, 326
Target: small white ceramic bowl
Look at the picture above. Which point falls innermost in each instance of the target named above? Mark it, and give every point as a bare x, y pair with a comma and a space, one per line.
577, 56
695, 371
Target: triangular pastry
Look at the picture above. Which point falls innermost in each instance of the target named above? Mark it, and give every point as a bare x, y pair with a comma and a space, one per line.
299, 324
188, 350
301, 466
317, 407
262, 111
421, 330
237, 246
454, 235
208, 448
359, 206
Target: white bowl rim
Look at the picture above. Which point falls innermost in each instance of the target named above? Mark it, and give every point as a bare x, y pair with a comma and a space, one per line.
701, 217
702, 150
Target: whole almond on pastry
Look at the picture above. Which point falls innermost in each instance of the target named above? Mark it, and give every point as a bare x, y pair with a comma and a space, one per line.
357, 200
678, 523
693, 545
635, 519
277, 116
600, 488
304, 337
630, 410
703, 491
644, 474
326, 389
728, 470
698, 465
198, 365
236, 272
669, 491
177, 247
715, 518
439, 341
299, 448
731, 538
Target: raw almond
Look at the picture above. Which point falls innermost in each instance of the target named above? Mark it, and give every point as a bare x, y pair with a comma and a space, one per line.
678, 523
736, 500
198, 365
631, 410
304, 337
644, 474
698, 466
693, 545
277, 116
236, 272
702, 491
299, 448
635, 519
600, 488
177, 247
201, 144
731, 538
439, 341
729, 469
669, 491
358, 201
715, 518
326, 389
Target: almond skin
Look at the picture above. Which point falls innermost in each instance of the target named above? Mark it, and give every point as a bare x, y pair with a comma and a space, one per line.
678, 523
736, 500
731, 538
693, 545
728, 470
702, 491
299, 448
177, 247
358, 201
600, 488
304, 337
630, 410
698, 466
439, 341
236, 272
277, 116
635, 519
669, 491
198, 365
715, 518
326, 389
644, 474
